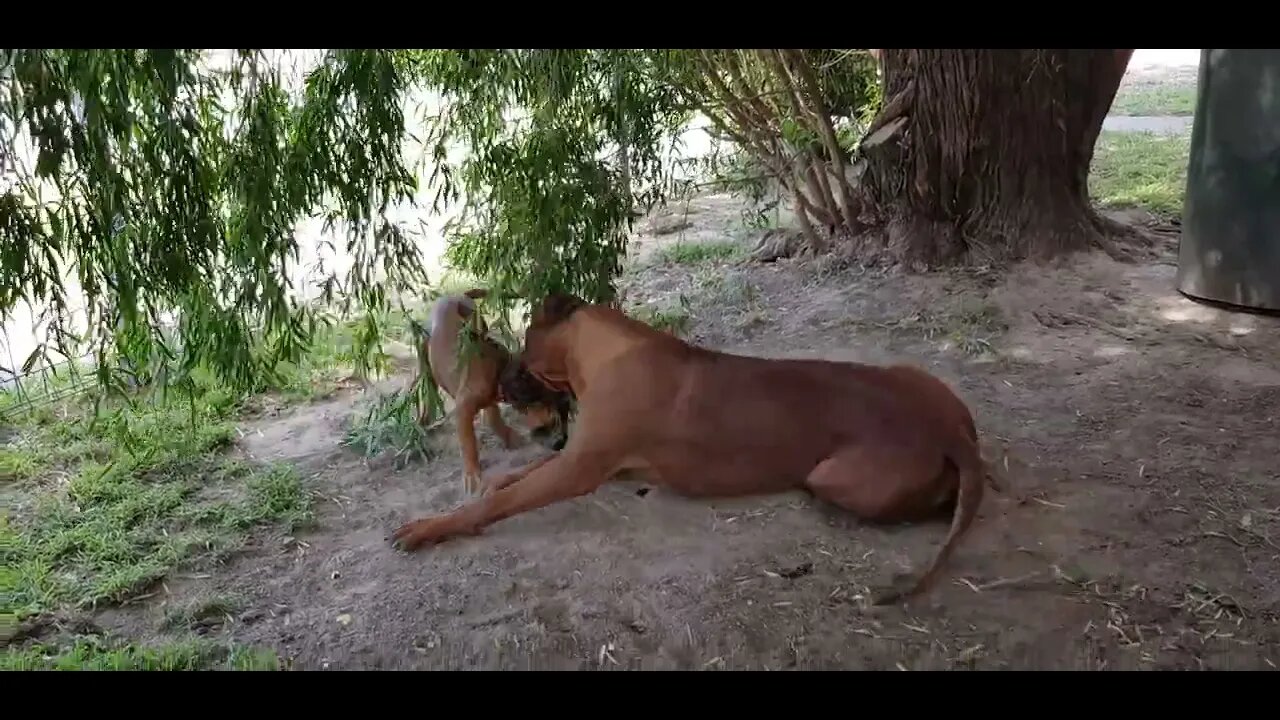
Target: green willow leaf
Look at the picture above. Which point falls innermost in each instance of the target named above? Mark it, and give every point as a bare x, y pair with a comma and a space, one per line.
177, 189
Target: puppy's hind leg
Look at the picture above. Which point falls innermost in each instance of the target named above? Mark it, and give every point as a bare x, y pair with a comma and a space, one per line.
466, 417
510, 439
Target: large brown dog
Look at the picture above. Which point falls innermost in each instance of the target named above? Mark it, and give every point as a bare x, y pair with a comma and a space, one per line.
478, 380
889, 444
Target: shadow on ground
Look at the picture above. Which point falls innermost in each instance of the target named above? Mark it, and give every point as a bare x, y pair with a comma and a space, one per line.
1136, 430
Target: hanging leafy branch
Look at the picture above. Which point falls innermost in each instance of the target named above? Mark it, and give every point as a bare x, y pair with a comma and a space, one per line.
564, 151
162, 187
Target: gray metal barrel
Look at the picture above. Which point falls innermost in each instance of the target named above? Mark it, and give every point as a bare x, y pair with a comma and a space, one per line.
1230, 249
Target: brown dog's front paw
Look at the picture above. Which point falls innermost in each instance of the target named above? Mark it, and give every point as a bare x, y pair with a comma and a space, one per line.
492, 485
432, 531
413, 535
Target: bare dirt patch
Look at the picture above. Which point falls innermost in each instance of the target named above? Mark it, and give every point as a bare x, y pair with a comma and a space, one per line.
1141, 529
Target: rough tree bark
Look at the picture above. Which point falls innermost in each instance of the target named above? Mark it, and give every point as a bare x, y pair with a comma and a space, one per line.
986, 153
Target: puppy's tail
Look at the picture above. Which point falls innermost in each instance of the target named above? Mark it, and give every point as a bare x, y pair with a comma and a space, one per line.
477, 293
973, 479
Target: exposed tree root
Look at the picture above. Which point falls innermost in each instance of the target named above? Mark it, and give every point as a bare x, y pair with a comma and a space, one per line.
922, 244
778, 244
976, 156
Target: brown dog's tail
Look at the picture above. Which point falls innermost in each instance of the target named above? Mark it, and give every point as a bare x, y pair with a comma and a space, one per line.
973, 478
476, 293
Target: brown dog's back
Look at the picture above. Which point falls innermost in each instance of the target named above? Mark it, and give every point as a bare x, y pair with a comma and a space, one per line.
770, 420
718, 424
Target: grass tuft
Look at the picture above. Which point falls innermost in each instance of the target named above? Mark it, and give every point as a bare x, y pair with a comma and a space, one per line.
971, 326
692, 253
1142, 170
675, 318
92, 654
203, 612
101, 507
391, 425
1155, 101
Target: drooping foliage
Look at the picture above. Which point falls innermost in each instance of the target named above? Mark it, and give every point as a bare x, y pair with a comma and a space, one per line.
564, 148
163, 187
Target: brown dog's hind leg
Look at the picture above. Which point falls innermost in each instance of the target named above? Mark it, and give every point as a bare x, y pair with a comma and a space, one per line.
509, 438
884, 483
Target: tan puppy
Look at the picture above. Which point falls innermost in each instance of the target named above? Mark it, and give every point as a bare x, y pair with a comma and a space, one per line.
488, 376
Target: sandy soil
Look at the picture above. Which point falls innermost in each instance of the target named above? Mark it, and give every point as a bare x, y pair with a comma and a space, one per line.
1141, 530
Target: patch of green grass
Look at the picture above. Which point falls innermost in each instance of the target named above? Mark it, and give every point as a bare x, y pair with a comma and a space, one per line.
115, 530
1142, 170
972, 326
106, 505
203, 611
692, 253
391, 424
404, 420
675, 319
1151, 101
726, 288
90, 654
334, 355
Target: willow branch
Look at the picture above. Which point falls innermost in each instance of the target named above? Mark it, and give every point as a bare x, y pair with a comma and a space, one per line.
823, 117
765, 115
817, 175
760, 146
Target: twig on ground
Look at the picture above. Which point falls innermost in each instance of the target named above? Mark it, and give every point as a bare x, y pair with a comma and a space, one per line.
1224, 536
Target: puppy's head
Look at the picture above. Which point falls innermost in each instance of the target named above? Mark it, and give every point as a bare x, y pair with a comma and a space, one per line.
543, 410
546, 339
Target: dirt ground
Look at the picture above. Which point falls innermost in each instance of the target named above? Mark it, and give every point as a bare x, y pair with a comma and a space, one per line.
1140, 529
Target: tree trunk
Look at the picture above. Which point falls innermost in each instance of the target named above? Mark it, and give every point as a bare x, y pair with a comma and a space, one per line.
986, 153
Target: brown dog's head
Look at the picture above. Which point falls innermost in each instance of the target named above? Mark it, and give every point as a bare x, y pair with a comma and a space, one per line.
545, 411
546, 340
